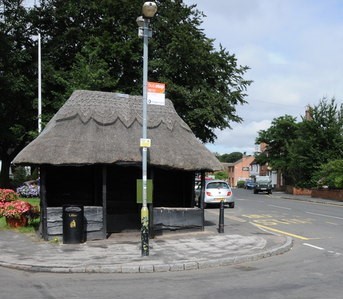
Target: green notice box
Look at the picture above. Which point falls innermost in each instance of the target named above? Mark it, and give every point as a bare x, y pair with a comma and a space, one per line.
140, 191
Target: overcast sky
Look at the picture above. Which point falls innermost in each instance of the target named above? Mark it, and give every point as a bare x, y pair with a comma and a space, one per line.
294, 49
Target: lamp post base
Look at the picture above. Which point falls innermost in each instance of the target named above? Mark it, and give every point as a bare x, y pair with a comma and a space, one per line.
145, 231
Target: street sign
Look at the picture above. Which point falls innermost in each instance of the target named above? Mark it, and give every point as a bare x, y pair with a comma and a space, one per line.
145, 142
156, 93
139, 186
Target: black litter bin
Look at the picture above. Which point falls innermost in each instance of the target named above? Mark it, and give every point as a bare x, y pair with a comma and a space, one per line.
72, 224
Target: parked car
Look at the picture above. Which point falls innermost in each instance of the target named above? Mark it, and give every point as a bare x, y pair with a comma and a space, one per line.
249, 184
197, 188
217, 191
263, 184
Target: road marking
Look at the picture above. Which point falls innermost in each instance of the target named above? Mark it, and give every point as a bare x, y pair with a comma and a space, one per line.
320, 248
281, 232
231, 217
257, 216
332, 223
325, 215
234, 218
316, 247
274, 222
280, 207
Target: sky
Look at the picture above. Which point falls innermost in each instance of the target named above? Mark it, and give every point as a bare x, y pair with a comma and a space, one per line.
294, 49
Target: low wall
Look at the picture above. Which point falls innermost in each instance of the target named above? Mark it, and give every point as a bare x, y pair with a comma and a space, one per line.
177, 218
93, 222
328, 194
298, 191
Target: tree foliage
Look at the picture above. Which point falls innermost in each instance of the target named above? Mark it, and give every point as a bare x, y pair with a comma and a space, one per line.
319, 140
18, 83
300, 149
94, 45
221, 175
230, 158
330, 174
278, 139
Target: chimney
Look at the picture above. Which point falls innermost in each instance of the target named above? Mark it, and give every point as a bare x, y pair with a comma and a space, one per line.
308, 113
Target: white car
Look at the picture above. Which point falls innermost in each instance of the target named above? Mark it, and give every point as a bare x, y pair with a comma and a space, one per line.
217, 191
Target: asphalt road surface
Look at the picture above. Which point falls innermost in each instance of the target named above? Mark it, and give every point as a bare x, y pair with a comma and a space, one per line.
312, 269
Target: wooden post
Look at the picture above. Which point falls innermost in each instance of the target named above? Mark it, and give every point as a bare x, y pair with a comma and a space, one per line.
151, 209
202, 196
104, 200
43, 203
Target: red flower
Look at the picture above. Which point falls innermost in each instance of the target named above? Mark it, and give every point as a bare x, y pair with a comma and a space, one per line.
15, 209
8, 195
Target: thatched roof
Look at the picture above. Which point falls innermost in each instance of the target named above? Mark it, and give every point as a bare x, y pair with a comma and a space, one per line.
105, 128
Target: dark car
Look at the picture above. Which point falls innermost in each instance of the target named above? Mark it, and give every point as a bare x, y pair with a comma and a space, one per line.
249, 184
263, 184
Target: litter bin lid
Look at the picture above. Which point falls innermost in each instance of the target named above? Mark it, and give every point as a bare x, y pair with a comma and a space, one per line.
73, 209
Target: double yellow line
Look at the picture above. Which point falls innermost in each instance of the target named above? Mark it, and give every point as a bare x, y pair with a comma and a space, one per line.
280, 232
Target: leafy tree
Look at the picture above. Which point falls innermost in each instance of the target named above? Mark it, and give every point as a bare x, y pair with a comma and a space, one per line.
319, 140
230, 158
18, 83
81, 37
278, 138
204, 84
94, 45
299, 149
221, 175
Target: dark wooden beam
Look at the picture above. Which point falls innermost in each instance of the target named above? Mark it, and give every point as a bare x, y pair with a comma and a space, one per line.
43, 203
202, 196
104, 199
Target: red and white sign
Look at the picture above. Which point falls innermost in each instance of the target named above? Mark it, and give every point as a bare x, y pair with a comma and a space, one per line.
156, 93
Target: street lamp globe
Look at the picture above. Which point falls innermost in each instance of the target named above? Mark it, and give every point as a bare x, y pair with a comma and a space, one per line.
149, 9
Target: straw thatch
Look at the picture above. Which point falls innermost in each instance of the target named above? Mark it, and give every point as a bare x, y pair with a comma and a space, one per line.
105, 128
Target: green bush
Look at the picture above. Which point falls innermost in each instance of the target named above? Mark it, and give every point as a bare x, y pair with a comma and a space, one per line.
221, 175
19, 176
240, 184
330, 174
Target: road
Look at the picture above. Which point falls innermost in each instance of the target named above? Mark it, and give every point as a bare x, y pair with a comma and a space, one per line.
312, 269
310, 224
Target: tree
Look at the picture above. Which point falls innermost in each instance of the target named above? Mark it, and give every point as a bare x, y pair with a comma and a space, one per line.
94, 45
18, 84
230, 158
319, 140
221, 175
204, 84
278, 138
299, 150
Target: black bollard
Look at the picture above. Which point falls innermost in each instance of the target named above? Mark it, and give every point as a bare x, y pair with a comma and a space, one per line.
221, 217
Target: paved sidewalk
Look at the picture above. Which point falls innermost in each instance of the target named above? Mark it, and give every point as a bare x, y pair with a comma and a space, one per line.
307, 198
175, 251
121, 252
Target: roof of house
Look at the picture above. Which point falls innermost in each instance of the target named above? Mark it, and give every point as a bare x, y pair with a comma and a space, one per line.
95, 127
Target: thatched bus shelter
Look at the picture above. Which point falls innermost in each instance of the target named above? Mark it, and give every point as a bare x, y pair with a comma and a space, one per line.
89, 155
